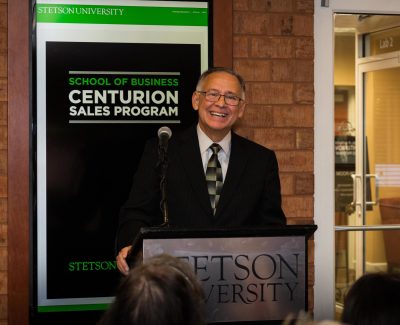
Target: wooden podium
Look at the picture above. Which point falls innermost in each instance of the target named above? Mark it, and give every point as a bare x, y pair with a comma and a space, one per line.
249, 275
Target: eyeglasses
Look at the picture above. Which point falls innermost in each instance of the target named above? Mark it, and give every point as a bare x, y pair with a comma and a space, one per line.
213, 96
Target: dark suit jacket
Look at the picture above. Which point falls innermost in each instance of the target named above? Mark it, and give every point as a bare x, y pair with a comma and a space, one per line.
250, 195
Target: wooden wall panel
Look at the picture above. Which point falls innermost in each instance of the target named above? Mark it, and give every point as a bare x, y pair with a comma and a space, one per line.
18, 161
223, 33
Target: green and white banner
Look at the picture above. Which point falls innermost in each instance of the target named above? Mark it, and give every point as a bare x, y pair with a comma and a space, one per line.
108, 75
139, 14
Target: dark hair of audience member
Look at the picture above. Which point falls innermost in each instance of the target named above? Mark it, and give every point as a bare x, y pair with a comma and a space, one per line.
374, 299
163, 290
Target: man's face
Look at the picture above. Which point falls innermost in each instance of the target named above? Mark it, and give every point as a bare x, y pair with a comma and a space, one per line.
217, 118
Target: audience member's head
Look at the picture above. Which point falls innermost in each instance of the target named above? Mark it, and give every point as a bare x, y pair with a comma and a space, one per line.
374, 299
304, 318
163, 290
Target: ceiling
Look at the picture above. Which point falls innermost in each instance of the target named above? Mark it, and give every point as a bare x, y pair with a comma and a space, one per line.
364, 23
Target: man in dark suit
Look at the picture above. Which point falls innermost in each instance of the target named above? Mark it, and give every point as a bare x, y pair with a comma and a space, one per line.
250, 193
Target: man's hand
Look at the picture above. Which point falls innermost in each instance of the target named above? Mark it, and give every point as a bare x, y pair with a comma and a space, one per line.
121, 260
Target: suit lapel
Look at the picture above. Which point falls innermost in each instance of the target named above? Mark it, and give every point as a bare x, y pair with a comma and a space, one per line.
237, 163
189, 154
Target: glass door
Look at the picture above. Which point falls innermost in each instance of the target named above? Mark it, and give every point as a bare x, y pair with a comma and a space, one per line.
367, 160
378, 163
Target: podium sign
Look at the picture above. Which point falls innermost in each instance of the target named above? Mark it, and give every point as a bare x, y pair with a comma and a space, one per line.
245, 278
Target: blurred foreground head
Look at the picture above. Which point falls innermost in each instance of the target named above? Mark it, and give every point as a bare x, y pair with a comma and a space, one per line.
374, 299
163, 290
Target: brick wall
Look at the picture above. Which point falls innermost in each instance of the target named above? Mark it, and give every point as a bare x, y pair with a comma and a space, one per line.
274, 51
3, 162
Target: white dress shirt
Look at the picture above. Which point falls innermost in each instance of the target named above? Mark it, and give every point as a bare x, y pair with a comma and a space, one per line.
223, 155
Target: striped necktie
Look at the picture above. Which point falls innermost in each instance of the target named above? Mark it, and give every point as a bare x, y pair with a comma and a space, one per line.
214, 176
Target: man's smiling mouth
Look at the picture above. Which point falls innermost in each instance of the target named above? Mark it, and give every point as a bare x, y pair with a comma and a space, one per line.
218, 114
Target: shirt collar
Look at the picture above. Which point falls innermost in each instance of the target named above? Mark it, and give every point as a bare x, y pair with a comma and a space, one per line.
205, 142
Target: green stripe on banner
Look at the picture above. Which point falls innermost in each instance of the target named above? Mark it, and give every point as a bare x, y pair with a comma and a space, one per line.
125, 15
61, 308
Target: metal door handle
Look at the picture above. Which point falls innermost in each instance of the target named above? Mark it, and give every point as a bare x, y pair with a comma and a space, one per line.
355, 177
376, 189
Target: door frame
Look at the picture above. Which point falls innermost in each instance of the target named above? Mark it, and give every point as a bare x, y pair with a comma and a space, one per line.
324, 200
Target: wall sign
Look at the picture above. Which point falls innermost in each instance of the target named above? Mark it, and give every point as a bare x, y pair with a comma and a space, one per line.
108, 75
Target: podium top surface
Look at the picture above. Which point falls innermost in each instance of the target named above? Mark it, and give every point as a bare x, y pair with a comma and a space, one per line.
269, 231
